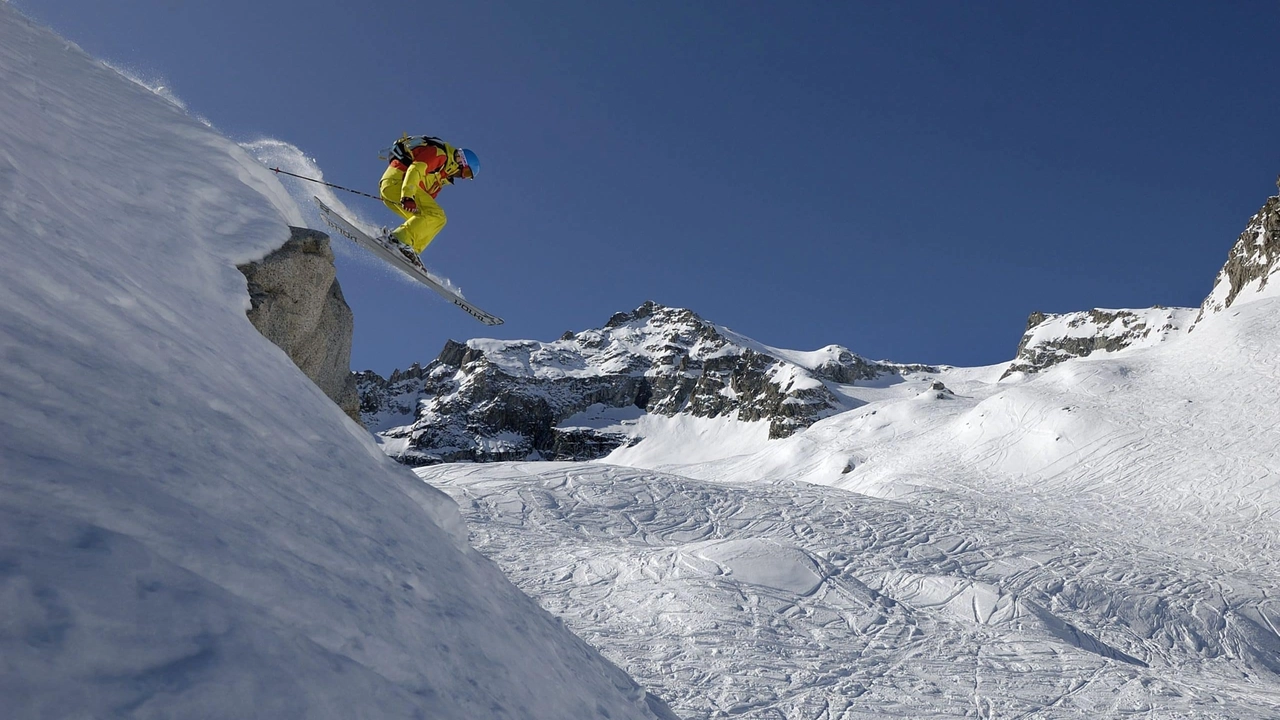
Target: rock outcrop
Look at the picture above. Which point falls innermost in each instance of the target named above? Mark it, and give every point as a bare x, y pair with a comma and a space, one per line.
1051, 339
1255, 257
1250, 263
297, 303
489, 400
388, 402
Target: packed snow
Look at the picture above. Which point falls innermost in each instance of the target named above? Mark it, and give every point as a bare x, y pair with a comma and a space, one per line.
188, 526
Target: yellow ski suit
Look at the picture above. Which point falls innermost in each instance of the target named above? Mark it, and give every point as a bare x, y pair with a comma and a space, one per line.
421, 181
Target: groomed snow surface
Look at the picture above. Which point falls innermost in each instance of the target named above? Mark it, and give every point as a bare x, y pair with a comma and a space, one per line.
1098, 541
188, 527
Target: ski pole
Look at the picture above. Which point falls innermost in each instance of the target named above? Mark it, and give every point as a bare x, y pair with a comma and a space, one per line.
336, 187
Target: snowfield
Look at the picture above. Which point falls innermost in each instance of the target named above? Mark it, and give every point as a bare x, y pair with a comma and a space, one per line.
1099, 540
188, 526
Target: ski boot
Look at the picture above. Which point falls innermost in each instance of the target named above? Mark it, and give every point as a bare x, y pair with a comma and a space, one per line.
404, 250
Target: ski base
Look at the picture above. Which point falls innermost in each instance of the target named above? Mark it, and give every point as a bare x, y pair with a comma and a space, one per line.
393, 256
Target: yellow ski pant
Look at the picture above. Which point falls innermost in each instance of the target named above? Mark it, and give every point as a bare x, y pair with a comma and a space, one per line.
420, 228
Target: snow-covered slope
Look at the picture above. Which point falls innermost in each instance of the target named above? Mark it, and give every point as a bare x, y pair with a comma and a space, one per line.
1097, 540
188, 526
1101, 541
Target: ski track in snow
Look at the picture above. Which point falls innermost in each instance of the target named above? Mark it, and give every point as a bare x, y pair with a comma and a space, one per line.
799, 601
1096, 541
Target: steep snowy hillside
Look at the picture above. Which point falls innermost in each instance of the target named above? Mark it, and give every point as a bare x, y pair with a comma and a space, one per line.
188, 526
593, 391
1097, 540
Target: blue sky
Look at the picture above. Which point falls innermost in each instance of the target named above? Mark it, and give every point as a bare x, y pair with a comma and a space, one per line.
907, 179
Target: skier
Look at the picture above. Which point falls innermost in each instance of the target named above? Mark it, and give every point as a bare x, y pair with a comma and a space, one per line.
419, 168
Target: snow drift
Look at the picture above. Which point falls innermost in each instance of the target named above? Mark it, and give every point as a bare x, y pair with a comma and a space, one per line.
188, 526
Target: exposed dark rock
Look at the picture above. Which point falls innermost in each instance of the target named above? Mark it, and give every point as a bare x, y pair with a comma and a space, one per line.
296, 303
939, 391
390, 402
457, 354
1052, 339
848, 369
583, 444
1251, 261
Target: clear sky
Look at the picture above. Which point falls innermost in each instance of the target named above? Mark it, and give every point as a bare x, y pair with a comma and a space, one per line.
907, 179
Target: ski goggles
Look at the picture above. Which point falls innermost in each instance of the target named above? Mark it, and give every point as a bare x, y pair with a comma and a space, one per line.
463, 168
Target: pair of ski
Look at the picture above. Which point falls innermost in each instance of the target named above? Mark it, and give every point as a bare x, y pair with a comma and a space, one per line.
393, 256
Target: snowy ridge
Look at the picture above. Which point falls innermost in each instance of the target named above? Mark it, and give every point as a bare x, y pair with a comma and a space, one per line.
1051, 339
651, 340
188, 526
1251, 262
589, 392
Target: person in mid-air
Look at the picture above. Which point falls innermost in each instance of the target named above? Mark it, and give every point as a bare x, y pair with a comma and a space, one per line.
420, 167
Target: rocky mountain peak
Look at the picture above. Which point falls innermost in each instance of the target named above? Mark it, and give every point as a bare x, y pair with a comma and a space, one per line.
1250, 263
415, 372
456, 354
644, 311
500, 400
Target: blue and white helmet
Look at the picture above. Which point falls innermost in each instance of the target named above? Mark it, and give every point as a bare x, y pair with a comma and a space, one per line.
469, 162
